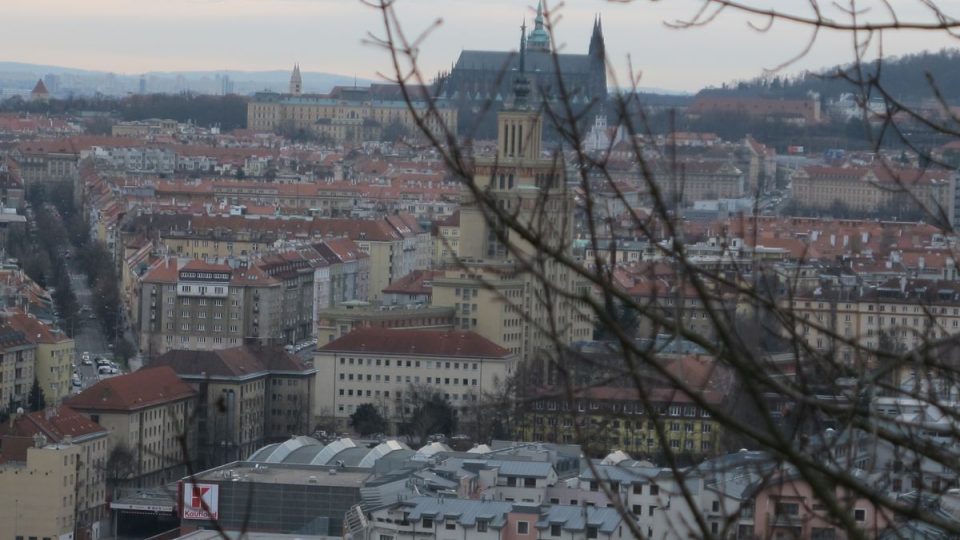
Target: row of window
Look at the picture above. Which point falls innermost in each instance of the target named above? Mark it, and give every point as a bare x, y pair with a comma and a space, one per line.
409, 363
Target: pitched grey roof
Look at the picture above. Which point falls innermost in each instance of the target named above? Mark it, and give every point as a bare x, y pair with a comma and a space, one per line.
577, 518
535, 61
523, 469
465, 511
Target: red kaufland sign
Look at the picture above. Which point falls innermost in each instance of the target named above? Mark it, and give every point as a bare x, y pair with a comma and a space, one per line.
200, 501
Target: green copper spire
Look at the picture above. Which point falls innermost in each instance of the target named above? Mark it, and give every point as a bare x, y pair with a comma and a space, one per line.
539, 39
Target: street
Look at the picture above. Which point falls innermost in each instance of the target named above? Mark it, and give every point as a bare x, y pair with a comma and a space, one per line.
88, 335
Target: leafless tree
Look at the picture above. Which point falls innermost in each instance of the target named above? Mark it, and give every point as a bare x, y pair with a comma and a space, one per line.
798, 388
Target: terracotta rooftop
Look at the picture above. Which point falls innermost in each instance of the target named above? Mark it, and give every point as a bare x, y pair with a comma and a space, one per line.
54, 423
138, 390
443, 343
416, 282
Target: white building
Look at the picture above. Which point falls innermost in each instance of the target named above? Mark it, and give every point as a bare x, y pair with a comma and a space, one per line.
378, 365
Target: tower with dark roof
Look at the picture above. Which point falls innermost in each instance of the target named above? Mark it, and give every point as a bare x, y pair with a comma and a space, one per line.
39, 92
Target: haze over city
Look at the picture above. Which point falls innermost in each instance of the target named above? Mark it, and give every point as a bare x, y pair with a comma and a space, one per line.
132, 36
252, 289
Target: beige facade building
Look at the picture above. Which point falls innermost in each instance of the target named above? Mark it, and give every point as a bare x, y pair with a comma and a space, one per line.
249, 396
55, 353
874, 189
378, 366
64, 426
38, 492
345, 115
147, 414
18, 357
898, 315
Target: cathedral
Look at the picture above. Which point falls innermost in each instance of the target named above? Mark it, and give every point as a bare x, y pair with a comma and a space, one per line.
480, 78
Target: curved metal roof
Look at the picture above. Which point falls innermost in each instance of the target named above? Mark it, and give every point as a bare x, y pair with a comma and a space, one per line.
324, 456
380, 451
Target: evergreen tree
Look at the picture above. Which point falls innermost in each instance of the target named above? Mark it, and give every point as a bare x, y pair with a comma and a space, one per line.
35, 399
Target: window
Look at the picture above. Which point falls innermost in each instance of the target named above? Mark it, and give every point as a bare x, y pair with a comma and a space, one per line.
450, 525
591, 532
427, 523
860, 514
481, 525
787, 509
523, 527
654, 489
555, 530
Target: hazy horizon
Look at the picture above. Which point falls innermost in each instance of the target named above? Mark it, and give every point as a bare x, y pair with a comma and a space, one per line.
132, 37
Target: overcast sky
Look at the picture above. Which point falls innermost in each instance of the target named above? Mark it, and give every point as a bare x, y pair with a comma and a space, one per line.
133, 36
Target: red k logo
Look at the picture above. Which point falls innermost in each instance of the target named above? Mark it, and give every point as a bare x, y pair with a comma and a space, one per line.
198, 494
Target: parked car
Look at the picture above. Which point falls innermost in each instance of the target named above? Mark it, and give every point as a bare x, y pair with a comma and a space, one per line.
104, 370
87, 362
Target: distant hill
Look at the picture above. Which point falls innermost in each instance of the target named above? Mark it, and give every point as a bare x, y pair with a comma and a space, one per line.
18, 77
903, 77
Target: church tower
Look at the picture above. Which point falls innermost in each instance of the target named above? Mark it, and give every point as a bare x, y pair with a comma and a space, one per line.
494, 288
539, 39
296, 82
598, 63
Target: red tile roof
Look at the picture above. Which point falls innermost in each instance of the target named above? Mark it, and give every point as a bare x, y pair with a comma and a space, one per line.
416, 282
55, 424
138, 390
443, 343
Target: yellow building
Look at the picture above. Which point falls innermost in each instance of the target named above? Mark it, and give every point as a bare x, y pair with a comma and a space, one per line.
346, 114
146, 413
64, 426
55, 354
616, 419
38, 492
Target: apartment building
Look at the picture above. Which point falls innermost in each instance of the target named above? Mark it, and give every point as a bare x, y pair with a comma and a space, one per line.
18, 358
493, 520
193, 304
899, 314
248, 396
349, 272
38, 491
617, 418
63, 426
875, 189
446, 242
55, 354
148, 414
378, 366
393, 247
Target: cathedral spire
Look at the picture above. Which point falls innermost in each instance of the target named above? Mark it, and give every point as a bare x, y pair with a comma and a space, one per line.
596, 40
539, 39
296, 82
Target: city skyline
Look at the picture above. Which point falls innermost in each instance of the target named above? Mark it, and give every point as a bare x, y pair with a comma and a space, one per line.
216, 35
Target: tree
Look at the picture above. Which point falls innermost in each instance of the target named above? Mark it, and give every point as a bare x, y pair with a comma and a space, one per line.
35, 399
430, 414
791, 383
367, 420
120, 466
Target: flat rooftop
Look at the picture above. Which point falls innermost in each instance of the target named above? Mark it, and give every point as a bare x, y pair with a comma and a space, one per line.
242, 471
